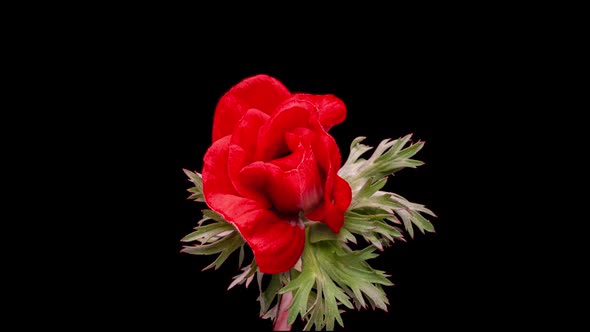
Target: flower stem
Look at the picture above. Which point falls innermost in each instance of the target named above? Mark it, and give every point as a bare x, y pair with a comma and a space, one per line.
281, 323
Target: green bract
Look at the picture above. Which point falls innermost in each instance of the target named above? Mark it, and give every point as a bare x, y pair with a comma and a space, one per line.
334, 271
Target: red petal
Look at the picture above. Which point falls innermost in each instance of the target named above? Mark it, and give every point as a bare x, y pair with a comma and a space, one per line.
292, 183
327, 152
290, 115
337, 192
277, 243
261, 92
342, 194
330, 108
215, 176
332, 212
242, 148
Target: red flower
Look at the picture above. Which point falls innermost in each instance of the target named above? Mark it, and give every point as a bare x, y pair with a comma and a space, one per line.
271, 161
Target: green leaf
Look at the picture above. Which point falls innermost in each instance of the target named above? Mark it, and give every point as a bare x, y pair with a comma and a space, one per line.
390, 232
347, 277
300, 287
406, 219
422, 223
370, 217
214, 215
204, 233
410, 151
225, 246
356, 150
267, 296
321, 232
388, 158
235, 243
370, 188
246, 276
332, 275
197, 190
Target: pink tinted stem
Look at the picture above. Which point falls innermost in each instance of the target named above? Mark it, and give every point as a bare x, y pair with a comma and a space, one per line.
281, 323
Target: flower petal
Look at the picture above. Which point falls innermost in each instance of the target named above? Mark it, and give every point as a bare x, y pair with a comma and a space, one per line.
290, 115
242, 148
277, 243
335, 204
292, 183
327, 152
215, 176
331, 109
261, 92
337, 192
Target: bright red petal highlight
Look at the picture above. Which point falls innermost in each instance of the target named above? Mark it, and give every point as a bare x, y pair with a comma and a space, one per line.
261, 92
290, 115
331, 109
215, 177
337, 192
242, 148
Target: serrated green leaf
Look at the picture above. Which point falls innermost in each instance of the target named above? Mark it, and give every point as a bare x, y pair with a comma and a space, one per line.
388, 158
267, 296
390, 232
194, 177
410, 151
225, 246
397, 145
197, 197
204, 233
301, 293
370, 188
320, 290
271, 313
329, 293
246, 276
422, 223
356, 150
197, 190
213, 215
346, 236
346, 279
407, 221
361, 255
321, 232
209, 249
315, 313
233, 245
412, 206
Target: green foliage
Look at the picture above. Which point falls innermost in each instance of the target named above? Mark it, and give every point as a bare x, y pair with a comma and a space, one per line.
388, 158
375, 214
197, 190
213, 234
331, 273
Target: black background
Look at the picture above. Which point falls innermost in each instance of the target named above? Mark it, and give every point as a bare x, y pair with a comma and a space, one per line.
115, 102
145, 108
